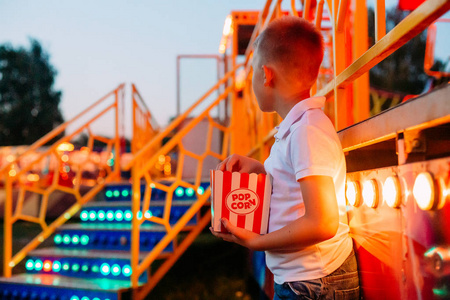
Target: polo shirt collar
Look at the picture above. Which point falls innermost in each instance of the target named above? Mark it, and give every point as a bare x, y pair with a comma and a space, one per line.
296, 112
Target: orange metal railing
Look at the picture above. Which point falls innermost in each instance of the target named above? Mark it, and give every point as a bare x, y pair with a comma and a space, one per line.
217, 132
348, 89
145, 126
64, 174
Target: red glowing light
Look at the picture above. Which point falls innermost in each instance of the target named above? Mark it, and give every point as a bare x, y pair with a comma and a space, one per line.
47, 266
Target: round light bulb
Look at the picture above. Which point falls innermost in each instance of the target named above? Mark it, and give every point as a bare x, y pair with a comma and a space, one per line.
424, 191
370, 193
391, 192
353, 193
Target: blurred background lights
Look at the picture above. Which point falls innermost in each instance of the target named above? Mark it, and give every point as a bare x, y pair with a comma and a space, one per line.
179, 192
116, 270
29, 265
47, 266
56, 266
105, 269
200, 190
38, 265
391, 191
84, 216
353, 193
101, 215
423, 191
370, 193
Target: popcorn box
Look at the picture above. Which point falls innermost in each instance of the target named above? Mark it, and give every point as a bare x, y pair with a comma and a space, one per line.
241, 198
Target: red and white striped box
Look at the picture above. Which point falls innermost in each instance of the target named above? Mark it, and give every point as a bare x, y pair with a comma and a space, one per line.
241, 198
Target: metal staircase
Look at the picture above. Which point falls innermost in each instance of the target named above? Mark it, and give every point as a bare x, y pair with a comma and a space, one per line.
112, 231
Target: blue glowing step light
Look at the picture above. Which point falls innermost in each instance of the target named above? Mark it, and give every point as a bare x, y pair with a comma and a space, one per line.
56, 287
123, 192
80, 264
122, 214
116, 237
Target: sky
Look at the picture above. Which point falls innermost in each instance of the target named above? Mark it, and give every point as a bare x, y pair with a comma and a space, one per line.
96, 45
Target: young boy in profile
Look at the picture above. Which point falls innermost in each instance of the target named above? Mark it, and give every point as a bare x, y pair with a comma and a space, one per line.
308, 247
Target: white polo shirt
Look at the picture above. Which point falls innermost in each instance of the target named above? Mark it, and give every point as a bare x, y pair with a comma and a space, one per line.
306, 144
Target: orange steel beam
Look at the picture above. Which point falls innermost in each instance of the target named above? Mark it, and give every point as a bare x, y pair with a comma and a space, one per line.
174, 124
179, 250
413, 24
380, 19
46, 138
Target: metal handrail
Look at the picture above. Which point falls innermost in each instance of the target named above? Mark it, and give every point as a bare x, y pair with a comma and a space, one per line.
386, 44
141, 172
16, 181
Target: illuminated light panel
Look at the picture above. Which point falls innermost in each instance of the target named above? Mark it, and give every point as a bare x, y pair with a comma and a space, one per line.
370, 193
200, 190
110, 215
85, 268
75, 298
85, 298
84, 216
66, 266
38, 265
139, 215
391, 192
109, 194
190, 192
148, 214
116, 193
353, 193
126, 270
84, 240
101, 215
56, 266
128, 215
58, 239
95, 269
105, 269
119, 215
443, 192
179, 192
47, 266
29, 265
424, 191
116, 270
75, 239
75, 267
92, 215
66, 239
125, 193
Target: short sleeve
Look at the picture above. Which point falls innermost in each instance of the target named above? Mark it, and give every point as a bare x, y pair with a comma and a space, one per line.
313, 151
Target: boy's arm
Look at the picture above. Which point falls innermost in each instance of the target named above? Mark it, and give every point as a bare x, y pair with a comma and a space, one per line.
319, 223
242, 164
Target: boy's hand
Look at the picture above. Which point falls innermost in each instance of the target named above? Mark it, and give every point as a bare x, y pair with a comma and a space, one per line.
237, 235
242, 164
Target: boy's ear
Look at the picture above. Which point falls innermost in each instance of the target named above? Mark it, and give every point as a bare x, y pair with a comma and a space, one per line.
268, 76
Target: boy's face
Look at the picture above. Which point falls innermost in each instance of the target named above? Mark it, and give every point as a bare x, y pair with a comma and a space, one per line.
261, 91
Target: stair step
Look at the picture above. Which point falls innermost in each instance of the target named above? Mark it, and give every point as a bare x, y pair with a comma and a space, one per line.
57, 287
120, 212
108, 236
122, 192
106, 264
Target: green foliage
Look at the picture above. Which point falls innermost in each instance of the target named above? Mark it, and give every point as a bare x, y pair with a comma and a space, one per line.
29, 105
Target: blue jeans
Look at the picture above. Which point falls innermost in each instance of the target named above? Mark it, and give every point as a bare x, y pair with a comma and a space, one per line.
342, 284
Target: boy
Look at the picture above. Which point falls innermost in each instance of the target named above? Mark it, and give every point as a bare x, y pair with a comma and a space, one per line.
308, 248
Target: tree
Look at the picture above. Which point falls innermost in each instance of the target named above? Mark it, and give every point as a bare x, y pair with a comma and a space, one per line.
29, 104
402, 72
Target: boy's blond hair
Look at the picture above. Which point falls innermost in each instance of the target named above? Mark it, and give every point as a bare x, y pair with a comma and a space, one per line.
295, 46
